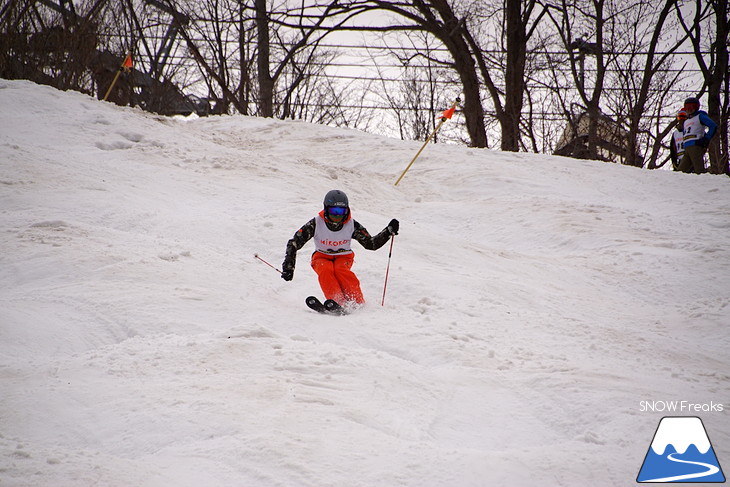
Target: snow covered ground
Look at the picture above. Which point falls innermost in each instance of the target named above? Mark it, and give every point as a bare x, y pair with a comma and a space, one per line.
535, 306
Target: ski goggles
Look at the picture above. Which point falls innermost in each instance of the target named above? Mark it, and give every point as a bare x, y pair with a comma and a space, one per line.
337, 211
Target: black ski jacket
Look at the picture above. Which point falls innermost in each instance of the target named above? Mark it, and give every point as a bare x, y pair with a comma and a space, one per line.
306, 232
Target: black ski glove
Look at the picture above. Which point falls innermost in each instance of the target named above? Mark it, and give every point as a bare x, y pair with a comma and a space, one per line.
393, 227
288, 273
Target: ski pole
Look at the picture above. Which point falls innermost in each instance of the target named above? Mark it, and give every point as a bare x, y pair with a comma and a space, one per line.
387, 269
262, 260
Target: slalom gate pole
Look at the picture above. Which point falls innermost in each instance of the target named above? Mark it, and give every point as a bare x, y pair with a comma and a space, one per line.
387, 269
444, 117
262, 260
125, 66
111, 86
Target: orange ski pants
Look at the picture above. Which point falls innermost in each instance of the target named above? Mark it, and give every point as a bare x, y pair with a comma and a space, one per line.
336, 279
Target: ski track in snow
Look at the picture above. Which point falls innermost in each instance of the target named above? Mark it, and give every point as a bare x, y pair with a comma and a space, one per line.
533, 302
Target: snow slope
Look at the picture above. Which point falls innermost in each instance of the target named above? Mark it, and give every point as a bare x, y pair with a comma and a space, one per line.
533, 303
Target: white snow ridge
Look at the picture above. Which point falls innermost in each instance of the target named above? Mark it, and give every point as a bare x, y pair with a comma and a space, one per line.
533, 302
680, 432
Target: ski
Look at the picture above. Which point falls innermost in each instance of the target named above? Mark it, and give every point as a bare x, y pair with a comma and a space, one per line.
328, 307
333, 307
314, 303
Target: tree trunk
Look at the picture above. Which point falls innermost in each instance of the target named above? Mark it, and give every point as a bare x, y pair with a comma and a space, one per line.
718, 150
266, 82
514, 76
473, 110
451, 32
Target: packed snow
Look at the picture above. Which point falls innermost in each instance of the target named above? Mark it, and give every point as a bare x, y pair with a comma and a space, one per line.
538, 308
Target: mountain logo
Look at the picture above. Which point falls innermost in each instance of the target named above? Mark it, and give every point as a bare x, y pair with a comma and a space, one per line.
681, 452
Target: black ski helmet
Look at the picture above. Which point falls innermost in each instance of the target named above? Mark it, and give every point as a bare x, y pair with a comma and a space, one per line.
336, 207
336, 198
692, 101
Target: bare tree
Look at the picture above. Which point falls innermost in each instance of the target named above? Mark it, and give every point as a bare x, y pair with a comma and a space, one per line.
298, 32
181, 20
266, 80
437, 18
458, 26
518, 14
415, 99
643, 72
246, 59
50, 43
568, 19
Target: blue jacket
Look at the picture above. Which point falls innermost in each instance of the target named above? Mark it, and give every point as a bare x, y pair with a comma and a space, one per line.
694, 129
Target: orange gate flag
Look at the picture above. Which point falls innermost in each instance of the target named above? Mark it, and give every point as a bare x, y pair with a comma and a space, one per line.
444, 116
126, 66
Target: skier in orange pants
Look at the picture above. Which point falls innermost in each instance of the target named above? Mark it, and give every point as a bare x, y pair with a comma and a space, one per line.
333, 230
336, 279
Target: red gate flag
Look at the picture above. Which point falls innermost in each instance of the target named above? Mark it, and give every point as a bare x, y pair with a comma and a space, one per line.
127, 64
449, 113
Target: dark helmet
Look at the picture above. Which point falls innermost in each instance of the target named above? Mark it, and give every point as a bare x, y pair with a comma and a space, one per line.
336, 198
336, 206
691, 104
